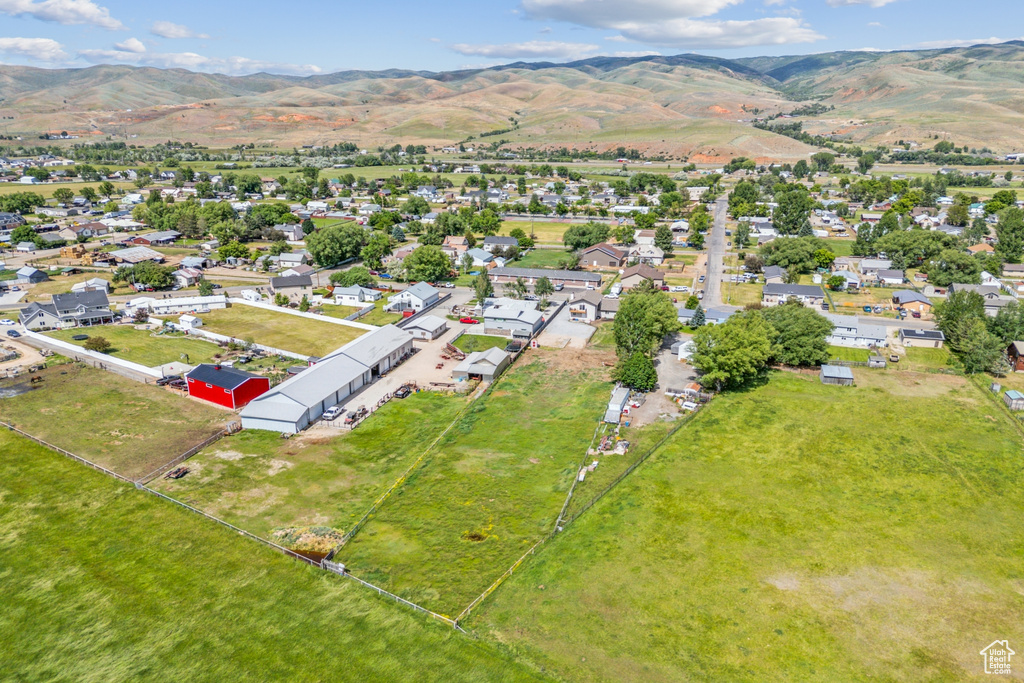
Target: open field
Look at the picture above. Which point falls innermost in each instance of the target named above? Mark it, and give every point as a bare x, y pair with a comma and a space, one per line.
848, 354
791, 532
739, 294
546, 232
376, 317
125, 426
922, 360
490, 491
60, 284
471, 343
145, 347
319, 479
280, 330
542, 258
106, 583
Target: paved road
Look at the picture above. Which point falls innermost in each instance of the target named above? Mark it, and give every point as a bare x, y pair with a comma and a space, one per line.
716, 257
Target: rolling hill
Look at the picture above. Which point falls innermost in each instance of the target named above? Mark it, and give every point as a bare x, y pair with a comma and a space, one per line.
684, 105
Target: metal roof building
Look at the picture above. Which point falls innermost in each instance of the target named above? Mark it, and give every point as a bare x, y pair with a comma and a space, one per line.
836, 374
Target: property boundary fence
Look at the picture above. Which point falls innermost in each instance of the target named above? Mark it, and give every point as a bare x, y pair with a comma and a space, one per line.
340, 570
360, 313
230, 429
66, 454
849, 363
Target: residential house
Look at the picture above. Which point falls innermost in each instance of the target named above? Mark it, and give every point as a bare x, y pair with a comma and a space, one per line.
369, 209
1015, 354
587, 307
92, 285
10, 220
155, 239
869, 267
294, 288
355, 295
77, 309
418, 297
455, 246
291, 259
996, 298
26, 247
498, 243
852, 332
647, 254
481, 258
808, 295
197, 262
559, 278
891, 278
644, 237
912, 301
37, 317
852, 280
512, 318
292, 232
484, 366
930, 339
774, 275
983, 248
298, 270
187, 277
602, 255
634, 275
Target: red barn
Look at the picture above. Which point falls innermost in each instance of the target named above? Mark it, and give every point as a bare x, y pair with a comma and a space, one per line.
225, 386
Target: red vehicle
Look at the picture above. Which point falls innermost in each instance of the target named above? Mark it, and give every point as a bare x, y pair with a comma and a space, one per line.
469, 321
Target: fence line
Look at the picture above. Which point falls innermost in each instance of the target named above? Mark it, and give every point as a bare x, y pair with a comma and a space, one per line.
576, 478
501, 579
67, 454
340, 570
361, 312
227, 431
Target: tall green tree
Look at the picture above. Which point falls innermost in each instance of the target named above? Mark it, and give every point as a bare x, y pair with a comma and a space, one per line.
636, 372
733, 353
646, 316
1010, 231
428, 263
482, 287
377, 247
336, 243
801, 339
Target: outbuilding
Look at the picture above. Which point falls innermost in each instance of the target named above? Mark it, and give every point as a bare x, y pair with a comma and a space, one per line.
1014, 400
225, 386
836, 375
427, 328
927, 339
485, 366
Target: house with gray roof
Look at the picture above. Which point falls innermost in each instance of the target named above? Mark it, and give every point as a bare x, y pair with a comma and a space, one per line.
851, 332
355, 296
774, 275
564, 278
498, 242
77, 309
418, 297
808, 295
294, 287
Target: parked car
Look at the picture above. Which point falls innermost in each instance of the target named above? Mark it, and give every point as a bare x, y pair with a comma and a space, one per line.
6, 321
332, 414
164, 381
701, 280
216, 286
531, 297
14, 334
679, 288
916, 314
403, 391
469, 321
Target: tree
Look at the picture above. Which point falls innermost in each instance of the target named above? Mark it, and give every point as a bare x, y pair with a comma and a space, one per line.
205, 287
1010, 231
733, 353
89, 195
865, 163
824, 258
823, 161
636, 372
981, 351
233, 250
279, 247
106, 189
280, 300
336, 243
304, 303
482, 287
699, 318
741, 236
308, 227
836, 283
466, 264
955, 317
953, 265
63, 195
357, 275
375, 250
693, 303
794, 209
754, 263
625, 234
544, 287
663, 238
428, 263
98, 344
795, 254
517, 289
1008, 323
586, 235
23, 233
801, 339
397, 234
646, 316
958, 215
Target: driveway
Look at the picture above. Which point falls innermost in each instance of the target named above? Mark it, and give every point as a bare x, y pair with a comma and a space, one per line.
562, 332
672, 375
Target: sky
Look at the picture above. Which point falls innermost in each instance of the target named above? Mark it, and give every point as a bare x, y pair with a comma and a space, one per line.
320, 36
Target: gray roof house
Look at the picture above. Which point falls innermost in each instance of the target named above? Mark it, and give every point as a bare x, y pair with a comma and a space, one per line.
775, 275
494, 242
355, 296
808, 295
419, 297
294, 287
852, 332
78, 309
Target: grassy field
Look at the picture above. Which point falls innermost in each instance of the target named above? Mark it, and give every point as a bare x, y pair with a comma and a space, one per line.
471, 343
144, 347
604, 338
839, 247
844, 353
546, 232
740, 294
922, 360
791, 532
280, 330
125, 426
261, 483
491, 490
377, 317
542, 258
106, 583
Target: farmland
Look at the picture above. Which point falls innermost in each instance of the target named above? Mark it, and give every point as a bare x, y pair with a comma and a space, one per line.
280, 330
261, 483
146, 347
782, 535
492, 488
103, 582
117, 423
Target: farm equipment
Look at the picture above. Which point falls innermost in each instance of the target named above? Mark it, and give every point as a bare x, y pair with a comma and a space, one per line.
453, 352
177, 473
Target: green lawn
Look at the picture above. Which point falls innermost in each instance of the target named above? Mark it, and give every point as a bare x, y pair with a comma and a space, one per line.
106, 583
740, 294
471, 343
280, 330
926, 359
126, 426
546, 232
490, 491
840, 247
791, 532
261, 483
604, 338
378, 316
853, 355
145, 347
542, 258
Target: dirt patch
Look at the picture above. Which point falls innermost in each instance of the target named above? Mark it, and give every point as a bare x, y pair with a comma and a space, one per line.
574, 360
785, 582
316, 539
910, 384
231, 455
278, 466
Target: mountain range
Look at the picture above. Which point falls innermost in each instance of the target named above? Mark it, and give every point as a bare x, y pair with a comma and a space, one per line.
687, 105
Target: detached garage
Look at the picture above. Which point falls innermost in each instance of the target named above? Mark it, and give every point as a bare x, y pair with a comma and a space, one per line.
225, 386
482, 365
427, 328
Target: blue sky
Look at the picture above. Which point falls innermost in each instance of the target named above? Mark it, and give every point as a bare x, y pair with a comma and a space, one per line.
318, 36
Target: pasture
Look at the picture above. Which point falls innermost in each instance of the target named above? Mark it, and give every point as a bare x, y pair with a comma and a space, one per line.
144, 346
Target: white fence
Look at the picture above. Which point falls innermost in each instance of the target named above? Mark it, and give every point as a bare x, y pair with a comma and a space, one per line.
310, 316
74, 350
223, 338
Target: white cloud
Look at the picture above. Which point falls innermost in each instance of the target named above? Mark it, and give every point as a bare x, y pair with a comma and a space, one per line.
167, 29
876, 24
674, 23
130, 45
935, 44
529, 50
39, 49
870, 3
616, 39
772, 3
232, 66
67, 12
